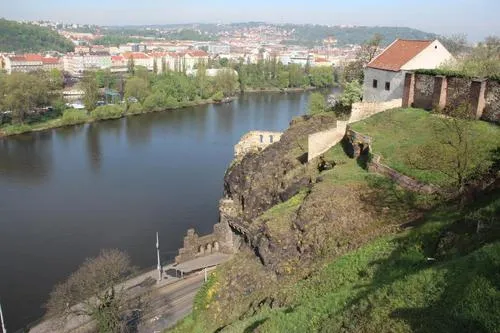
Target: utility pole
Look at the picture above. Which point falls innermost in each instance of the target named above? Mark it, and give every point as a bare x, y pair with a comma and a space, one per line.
158, 255
4, 330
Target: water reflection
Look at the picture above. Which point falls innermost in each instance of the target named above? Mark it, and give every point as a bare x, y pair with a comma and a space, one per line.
66, 193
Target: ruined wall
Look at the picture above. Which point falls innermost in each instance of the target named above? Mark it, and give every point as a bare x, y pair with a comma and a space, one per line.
447, 93
402, 180
255, 141
459, 91
424, 91
364, 110
220, 240
320, 142
492, 108
357, 143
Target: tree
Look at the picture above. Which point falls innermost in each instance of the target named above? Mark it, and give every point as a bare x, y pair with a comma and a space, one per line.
321, 77
317, 103
226, 81
130, 65
22, 93
456, 43
452, 151
368, 51
136, 87
163, 65
90, 89
353, 91
94, 291
155, 66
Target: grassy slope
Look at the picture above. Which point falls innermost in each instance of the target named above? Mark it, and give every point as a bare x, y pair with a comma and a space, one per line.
386, 285
397, 132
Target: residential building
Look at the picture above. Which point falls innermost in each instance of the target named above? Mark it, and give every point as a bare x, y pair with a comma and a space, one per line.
384, 75
76, 64
219, 49
23, 63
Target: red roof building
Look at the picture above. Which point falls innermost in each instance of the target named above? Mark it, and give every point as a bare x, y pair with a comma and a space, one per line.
384, 75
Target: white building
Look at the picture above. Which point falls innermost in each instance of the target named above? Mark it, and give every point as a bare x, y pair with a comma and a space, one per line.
384, 75
76, 64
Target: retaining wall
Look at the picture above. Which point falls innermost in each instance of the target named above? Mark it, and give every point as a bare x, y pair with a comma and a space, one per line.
364, 110
320, 142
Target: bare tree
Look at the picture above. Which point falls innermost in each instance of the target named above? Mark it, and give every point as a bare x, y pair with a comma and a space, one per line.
354, 70
93, 291
452, 152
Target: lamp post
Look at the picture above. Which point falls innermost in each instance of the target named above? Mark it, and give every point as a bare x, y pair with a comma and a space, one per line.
158, 256
4, 330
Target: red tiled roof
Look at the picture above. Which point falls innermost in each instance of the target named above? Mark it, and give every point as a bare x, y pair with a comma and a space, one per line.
198, 53
117, 58
50, 60
398, 54
33, 57
136, 55
320, 60
17, 58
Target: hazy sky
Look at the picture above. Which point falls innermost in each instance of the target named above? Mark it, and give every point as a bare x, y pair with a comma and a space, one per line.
476, 18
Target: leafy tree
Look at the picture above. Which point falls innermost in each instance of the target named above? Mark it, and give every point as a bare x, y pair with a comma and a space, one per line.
283, 79
155, 66
353, 91
90, 89
321, 77
226, 81
317, 103
163, 65
130, 65
104, 78
94, 291
22, 93
136, 87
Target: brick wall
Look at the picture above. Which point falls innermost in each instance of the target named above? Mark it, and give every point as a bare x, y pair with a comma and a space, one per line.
492, 102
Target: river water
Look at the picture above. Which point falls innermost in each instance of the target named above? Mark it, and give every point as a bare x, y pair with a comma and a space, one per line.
67, 193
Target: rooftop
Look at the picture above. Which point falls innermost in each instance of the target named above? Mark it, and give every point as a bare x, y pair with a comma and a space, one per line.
396, 55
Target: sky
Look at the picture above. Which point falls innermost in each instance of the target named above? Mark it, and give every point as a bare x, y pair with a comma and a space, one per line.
476, 18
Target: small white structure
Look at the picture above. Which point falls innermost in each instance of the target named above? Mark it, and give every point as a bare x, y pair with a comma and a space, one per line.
384, 75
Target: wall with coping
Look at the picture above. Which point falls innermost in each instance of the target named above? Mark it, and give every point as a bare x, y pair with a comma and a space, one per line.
255, 141
432, 92
402, 180
320, 142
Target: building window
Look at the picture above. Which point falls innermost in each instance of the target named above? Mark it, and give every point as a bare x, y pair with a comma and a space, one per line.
387, 86
375, 83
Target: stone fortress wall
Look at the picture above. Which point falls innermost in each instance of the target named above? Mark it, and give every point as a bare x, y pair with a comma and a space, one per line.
255, 141
444, 92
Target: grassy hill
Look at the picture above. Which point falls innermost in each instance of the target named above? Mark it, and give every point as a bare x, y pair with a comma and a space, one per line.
21, 37
384, 259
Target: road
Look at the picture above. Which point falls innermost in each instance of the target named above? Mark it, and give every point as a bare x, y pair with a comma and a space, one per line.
171, 300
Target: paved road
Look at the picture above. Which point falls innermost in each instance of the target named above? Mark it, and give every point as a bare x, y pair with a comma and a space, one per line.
170, 301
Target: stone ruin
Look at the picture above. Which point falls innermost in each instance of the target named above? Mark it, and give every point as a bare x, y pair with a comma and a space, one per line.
255, 141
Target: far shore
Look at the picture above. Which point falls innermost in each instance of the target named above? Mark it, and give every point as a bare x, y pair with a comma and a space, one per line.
57, 123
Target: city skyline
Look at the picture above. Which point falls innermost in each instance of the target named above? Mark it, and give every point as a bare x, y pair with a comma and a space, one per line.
476, 19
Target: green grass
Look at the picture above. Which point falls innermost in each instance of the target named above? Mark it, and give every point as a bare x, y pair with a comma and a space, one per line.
390, 286
397, 133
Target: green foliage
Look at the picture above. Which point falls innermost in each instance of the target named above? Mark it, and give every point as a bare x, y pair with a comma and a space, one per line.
226, 81
399, 134
135, 108
115, 40
317, 103
137, 87
73, 117
21, 37
189, 34
353, 91
321, 77
105, 79
90, 88
107, 112
218, 96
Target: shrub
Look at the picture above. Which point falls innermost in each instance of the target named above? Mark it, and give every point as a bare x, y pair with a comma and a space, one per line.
135, 108
218, 96
72, 117
107, 112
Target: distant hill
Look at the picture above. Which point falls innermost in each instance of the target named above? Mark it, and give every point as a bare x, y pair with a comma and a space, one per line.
21, 37
315, 34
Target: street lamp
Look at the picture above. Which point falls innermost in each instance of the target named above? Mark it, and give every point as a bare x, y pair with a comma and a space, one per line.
4, 330
158, 256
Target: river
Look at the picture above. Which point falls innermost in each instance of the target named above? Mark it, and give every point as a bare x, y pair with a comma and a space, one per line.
69, 192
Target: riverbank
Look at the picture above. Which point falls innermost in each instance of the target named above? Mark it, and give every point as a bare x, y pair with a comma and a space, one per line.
85, 118
10, 130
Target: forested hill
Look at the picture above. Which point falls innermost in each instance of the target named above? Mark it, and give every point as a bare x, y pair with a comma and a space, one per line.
21, 37
315, 34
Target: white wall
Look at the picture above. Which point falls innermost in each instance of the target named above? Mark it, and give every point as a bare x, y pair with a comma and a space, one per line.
379, 94
431, 57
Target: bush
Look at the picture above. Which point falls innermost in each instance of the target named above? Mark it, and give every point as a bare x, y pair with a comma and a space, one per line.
317, 103
107, 112
353, 91
135, 108
73, 117
218, 96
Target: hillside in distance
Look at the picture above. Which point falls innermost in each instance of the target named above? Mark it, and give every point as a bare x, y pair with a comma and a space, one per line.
22, 37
